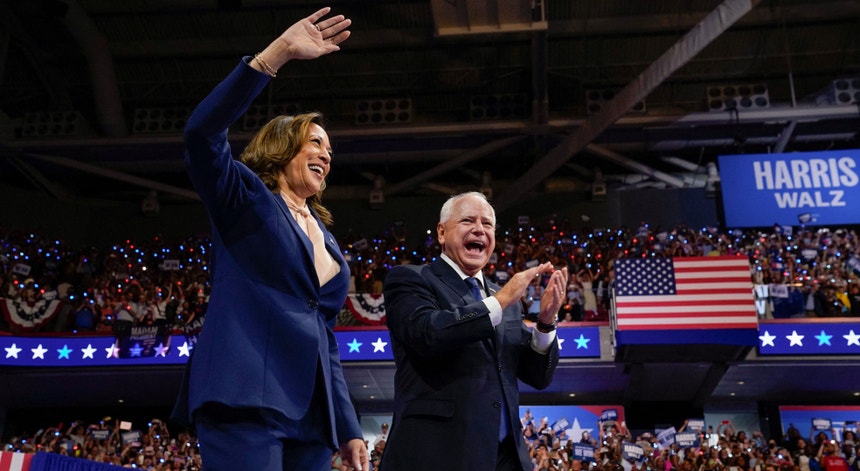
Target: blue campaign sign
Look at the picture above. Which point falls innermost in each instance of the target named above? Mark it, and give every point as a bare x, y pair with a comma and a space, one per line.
632, 451
812, 188
583, 452
687, 439
821, 424
609, 414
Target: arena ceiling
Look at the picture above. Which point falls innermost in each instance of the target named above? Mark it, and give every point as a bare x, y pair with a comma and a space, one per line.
432, 96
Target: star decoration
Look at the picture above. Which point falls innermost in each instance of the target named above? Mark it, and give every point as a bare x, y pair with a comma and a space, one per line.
112, 351
852, 338
64, 352
161, 350
581, 342
823, 338
560, 341
39, 352
12, 351
795, 339
575, 433
89, 351
767, 339
379, 345
354, 345
136, 350
185, 350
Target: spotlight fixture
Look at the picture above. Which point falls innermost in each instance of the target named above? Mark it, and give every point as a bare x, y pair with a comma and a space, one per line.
504, 106
53, 124
258, 115
383, 111
160, 120
738, 97
846, 91
596, 99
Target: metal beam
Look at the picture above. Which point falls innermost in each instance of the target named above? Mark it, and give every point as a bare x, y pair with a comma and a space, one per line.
633, 165
684, 164
119, 176
824, 11
679, 54
540, 97
108, 104
39, 180
467, 157
35, 55
784, 137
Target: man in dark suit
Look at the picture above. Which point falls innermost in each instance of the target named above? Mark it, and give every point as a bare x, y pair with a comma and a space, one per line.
459, 350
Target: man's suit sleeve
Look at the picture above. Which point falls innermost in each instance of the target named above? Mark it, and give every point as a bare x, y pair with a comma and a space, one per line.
536, 369
430, 318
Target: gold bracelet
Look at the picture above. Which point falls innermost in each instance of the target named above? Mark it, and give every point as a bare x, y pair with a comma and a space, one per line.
265, 65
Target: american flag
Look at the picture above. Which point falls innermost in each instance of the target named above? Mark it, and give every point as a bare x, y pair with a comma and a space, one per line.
10, 461
684, 293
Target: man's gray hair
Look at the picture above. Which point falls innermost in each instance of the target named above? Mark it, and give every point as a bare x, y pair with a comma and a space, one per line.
445, 213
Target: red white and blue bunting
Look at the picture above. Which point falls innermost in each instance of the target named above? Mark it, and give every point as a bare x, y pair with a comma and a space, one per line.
29, 316
367, 308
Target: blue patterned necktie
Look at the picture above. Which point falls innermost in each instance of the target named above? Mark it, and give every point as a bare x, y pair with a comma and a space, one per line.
475, 287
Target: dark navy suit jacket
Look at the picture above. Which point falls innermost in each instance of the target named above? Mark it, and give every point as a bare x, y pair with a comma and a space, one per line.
452, 369
268, 325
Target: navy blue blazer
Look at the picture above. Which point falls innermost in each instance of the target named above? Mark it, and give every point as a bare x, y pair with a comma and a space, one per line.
268, 325
452, 369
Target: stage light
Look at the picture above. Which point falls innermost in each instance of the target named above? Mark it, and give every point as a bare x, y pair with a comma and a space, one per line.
846, 91
383, 111
259, 115
738, 97
712, 184
598, 186
505, 106
596, 99
54, 124
150, 206
160, 120
487, 185
377, 196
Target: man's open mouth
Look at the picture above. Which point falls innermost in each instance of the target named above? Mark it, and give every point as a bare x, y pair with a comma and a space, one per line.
475, 246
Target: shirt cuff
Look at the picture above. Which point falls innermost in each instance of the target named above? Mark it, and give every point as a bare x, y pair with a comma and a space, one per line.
495, 309
542, 341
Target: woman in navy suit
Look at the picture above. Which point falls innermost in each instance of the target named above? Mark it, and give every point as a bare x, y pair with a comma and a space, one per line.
265, 375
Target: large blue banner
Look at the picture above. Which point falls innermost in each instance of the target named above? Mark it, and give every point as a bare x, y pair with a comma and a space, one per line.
812, 188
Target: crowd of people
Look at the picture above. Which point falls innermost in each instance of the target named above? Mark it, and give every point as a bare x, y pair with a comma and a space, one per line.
155, 448
722, 450
151, 448
146, 283
156, 281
